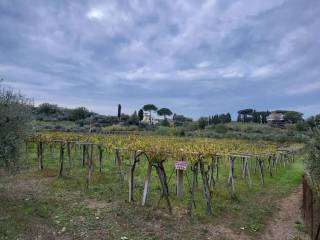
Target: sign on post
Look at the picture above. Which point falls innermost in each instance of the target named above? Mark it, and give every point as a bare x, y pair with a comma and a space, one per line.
181, 165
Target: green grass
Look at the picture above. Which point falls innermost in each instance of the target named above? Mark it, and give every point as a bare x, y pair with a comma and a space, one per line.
63, 203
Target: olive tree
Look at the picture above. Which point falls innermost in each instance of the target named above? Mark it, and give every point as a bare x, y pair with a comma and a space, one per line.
15, 127
313, 160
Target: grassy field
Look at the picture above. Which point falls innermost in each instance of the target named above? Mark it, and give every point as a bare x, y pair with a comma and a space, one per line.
40, 205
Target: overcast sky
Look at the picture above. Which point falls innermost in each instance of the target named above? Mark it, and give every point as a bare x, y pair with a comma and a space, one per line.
195, 57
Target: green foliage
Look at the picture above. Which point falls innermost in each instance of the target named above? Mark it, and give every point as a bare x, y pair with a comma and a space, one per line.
133, 119
221, 128
120, 128
15, 127
314, 121
140, 115
48, 109
180, 120
119, 111
203, 122
164, 112
293, 117
149, 107
165, 131
165, 123
79, 113
222, 118
313, 161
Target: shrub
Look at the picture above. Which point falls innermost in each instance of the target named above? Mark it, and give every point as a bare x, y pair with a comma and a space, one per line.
15, 127
221, 128
313, 160
165, 131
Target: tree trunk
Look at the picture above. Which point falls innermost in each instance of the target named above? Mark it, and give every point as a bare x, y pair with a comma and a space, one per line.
206, 189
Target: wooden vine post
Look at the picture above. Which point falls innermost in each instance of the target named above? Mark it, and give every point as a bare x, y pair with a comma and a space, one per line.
90, 165
164, 184
40, 155
61, 159
270, 165
100, 158
231, 176
261, 163
135, 159
84, 150
118, 161
194, 170
211, 168
217, 162
180, 166
69, 154
246, 171
206, 189
147, 184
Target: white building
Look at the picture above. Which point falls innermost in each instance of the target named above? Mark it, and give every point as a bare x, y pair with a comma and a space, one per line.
146, 119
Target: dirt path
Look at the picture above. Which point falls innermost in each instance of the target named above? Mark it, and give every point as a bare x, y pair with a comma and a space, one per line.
287, 223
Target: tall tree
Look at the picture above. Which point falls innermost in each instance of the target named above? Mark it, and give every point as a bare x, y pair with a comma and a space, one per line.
140, 115
202, 122
79, 113
216, 119
293, 117
245, 115
228, 117
119, 112
15, 127
133, 119
150, 108
164, 112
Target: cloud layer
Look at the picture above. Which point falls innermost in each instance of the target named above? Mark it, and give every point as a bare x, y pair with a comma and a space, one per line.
195, 57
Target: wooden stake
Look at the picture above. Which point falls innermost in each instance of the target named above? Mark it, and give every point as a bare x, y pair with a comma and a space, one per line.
61, 159
231, 176
84, 149
193, 188
90, 166
135, 159
69, 154
40, 155
118, 161
246, 171
206, 189
100, 158
164, 184
146, 184
179, 184
260, 162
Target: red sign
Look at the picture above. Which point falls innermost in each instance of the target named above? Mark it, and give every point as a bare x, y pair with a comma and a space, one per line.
181, 165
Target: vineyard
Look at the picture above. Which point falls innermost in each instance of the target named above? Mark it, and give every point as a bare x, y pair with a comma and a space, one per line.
205, 163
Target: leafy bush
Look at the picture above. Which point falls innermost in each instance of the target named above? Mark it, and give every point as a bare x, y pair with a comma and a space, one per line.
313, 160
221, 128
165, 131
121, 128
15, 127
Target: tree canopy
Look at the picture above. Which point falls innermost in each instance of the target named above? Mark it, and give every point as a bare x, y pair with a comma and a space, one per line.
164, 112
149, 107
15, 127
